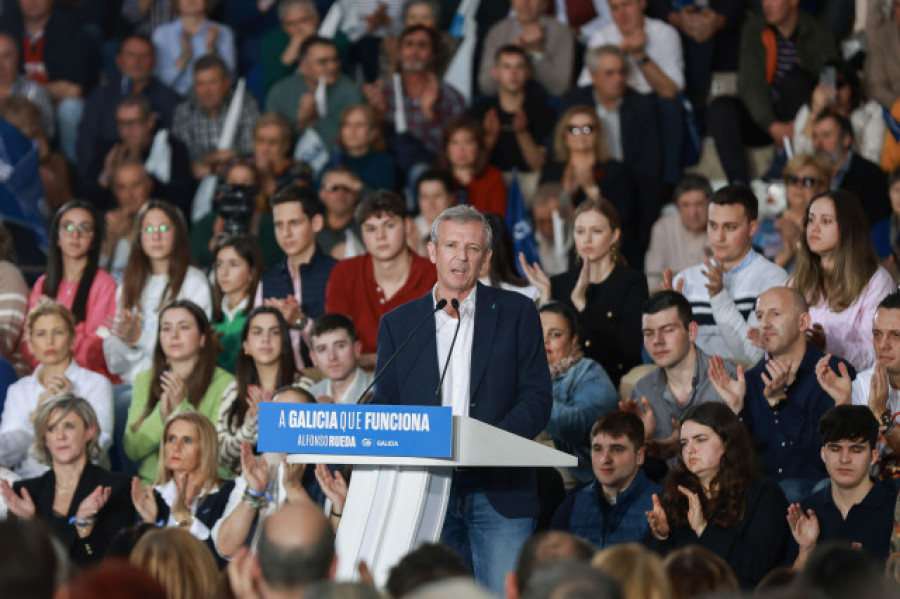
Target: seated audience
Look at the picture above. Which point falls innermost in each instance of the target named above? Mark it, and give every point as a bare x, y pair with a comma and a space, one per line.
272, 149
336, 350
833, 140
83, 505
435, 193
136, 60
554, 249
131, 186
681, 378
878, 387
388, 275
838, 274
199, 120
582, 391
584, 167
612, 508
605, 292
638, 570
164, 156
464, 154
542, 549
886, 233
678, 240
57, 54
547, 43
366, 30
781, 400
74, 280
714, 498
238, 265
567, 578
157, 273
184, 376
187, 491
280, 47
316, 95
360, 147
723, 289
264, 364
419, 12
297, 215
845, 98
782, 52
852, 508
778, 237
179, 561
182, 42
500, 270
341, 236
695, 571
517, 120
51, 335
837, 571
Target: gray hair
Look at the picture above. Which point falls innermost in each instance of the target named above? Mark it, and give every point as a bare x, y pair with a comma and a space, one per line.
287, 5
432, 4
67, 402
592, 55
463, 214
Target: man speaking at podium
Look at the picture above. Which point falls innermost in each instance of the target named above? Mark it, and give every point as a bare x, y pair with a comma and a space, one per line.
496, 372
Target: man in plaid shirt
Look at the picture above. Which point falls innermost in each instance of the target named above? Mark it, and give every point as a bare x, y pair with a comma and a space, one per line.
199, 119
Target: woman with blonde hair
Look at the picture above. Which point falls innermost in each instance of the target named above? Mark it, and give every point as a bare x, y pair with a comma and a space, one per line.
638, 570
182, 564
84, 505
838, 274
188, 492
51, 337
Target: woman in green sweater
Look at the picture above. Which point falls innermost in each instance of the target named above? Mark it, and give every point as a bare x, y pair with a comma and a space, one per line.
238, 265
184, 376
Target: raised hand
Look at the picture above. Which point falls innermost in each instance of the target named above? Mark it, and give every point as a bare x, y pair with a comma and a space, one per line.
643, 411
715, 276
804, 527
93, 503
668, 447
306, 110
696, 519
537, 277
254, 396
334, 486
174, 391
254, 468
731, 390
878, 390
579, 292
293, 481
815, 336
656, 518
668, 281
836, 384
776, 377
22, 505
144, 501
127, 326
240, 575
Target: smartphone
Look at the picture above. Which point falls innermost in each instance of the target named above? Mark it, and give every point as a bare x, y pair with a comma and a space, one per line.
828, 76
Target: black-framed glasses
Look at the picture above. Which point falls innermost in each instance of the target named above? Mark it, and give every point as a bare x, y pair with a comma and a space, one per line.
807, 182
71, 229
581, 129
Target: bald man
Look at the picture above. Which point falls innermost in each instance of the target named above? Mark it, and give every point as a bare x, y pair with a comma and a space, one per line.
295, 549
784, 396
541, 549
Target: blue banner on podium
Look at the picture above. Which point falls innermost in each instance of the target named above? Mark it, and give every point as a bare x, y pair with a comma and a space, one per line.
404, 431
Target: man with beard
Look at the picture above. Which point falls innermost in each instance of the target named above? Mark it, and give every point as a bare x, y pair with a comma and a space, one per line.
833, 142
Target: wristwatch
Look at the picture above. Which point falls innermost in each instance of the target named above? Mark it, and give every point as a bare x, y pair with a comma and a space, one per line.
644, 60
301, 323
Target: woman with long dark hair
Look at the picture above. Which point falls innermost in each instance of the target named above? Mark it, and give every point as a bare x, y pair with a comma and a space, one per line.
238, 264
184, 376
838, 274
465, 154
265, 363
715, 498
74, 279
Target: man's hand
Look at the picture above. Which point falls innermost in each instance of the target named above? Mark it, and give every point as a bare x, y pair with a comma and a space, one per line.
715, 276
779, 130
491, 124
732, 391
643, 411
307, 114
836, 384
289, 308
879, 388
430, 94
635, 42
240, 575
531, 38
777, 376
668, 283
656, 518
374, 97
815, 336
804, 527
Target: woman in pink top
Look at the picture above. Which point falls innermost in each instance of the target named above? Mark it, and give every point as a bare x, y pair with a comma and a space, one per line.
75, 281
838, 274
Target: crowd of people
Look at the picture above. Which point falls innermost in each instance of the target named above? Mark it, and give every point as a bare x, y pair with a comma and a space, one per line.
211, 204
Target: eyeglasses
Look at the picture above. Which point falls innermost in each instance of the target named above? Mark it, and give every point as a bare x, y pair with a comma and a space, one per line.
338, 187
807, 182
161, 229
71, 229
581, 129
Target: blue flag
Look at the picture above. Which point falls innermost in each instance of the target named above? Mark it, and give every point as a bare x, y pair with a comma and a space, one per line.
518, 224
891, 123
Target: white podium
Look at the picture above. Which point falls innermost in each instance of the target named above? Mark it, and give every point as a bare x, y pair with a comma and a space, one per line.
394, 504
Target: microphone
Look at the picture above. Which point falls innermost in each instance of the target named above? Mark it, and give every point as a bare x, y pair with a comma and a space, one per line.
439, 306
455, 304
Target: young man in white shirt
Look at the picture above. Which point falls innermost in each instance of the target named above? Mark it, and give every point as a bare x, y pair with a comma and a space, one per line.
335, 351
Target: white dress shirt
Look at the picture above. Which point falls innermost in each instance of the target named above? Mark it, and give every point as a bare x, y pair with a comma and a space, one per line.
17, 427
455, 389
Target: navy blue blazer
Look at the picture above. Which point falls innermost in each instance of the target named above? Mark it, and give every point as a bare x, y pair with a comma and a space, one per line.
510, 384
